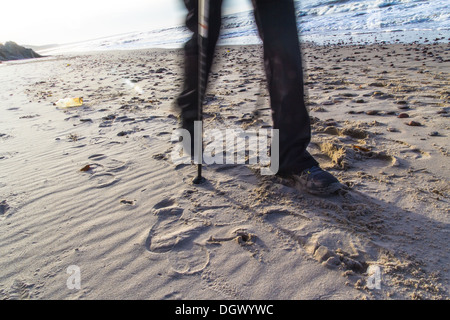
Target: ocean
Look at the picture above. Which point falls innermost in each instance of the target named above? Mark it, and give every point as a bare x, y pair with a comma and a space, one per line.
319, 21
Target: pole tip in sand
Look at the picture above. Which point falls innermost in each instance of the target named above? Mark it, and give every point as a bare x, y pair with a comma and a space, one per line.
198, 180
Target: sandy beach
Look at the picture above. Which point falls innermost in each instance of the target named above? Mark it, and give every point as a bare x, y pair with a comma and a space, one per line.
93, 187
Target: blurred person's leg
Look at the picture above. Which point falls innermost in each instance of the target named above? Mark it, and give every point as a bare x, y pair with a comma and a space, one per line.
188, 99
277, 28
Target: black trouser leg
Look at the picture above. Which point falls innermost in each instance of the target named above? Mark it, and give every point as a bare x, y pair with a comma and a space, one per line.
188, 99
277, 27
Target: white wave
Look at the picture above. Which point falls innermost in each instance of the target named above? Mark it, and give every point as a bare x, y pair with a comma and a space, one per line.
319, 21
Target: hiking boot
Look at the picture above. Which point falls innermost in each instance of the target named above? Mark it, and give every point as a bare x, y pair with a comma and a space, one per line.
317, 181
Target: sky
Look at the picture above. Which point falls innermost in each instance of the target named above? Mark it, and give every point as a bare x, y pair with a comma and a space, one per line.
31, 22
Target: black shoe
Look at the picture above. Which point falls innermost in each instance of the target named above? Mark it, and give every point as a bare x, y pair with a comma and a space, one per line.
317, 181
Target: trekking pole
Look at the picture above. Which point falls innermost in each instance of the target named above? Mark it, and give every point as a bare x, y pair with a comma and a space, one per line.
203, 16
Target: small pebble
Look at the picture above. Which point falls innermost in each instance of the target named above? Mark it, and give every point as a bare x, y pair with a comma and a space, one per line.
414, 124
86, 168
403, 115
434, 134
372, 112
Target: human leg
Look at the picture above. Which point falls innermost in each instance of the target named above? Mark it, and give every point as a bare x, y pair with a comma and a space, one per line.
187, 101
277, 27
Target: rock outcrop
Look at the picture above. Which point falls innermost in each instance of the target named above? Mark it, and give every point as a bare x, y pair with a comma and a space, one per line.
12, 51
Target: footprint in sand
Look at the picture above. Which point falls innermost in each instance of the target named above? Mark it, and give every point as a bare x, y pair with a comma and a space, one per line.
347, 155
348, 148
4, 207
103, 170
175, 236
103, 180
411, 152
330, 246
19, 290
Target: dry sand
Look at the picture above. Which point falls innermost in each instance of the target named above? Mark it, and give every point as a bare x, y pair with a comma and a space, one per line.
138, 228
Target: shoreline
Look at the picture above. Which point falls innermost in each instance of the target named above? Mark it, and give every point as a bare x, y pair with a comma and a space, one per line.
387, 37
133, 218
